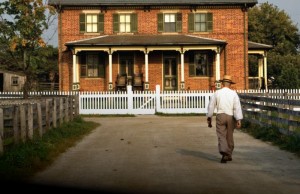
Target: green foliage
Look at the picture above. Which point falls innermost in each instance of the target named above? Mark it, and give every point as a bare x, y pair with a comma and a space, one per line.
27, 158
269, 25
22, 24
272, 134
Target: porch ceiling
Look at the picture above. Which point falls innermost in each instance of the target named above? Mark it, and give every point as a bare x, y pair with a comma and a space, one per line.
145, 40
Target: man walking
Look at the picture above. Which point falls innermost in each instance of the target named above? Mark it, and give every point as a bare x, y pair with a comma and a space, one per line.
228, 117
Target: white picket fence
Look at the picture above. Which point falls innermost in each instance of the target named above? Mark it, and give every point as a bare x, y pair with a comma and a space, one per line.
144, 102
148, 102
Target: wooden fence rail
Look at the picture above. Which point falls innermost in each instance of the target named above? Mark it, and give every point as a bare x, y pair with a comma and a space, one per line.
21, 120
282, 111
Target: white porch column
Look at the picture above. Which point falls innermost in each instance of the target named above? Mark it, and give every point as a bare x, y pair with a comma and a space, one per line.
182, 85
265, 72
146, 83
75, 81
218, 73
260, 71
110, 84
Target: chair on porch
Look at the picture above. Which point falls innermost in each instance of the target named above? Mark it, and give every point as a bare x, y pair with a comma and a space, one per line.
121, 82
138, 82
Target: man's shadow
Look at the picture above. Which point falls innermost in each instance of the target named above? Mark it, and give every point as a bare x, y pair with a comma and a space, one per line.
198, 154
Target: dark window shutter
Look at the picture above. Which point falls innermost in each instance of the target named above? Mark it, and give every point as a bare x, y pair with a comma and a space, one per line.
101, 23
210, 63
160, 22
116, 23
209, 22
191, 22
179, 22
82, 23
83, 66
101, 65
191, 64
133, 22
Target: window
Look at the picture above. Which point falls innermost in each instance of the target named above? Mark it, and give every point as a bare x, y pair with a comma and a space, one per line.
200, 22
125, 23
200, 64
169, 22
126, 64
92, 65
91, 23
14, 81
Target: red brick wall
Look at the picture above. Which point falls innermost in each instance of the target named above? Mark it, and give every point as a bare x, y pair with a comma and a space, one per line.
228, 26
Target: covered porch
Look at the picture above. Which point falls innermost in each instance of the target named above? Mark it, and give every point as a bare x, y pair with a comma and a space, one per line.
132, 55
258, 78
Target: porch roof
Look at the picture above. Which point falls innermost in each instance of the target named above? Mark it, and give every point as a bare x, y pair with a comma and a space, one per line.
145, 40
150, 2
258, 46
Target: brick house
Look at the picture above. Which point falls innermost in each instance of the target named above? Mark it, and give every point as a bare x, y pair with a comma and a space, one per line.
179, 45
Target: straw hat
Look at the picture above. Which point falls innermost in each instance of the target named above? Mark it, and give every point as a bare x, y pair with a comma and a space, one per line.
227, 78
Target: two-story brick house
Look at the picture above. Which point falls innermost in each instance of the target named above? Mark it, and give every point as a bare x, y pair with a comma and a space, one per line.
179, 45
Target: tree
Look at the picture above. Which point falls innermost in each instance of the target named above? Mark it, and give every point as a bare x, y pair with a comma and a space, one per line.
269, 25
22, 24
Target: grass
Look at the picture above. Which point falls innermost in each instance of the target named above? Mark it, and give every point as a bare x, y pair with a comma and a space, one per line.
272, 134
109, 115
183, 114
23, 160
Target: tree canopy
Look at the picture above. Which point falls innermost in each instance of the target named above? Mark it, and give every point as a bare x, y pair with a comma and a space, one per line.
270, 25
22, 23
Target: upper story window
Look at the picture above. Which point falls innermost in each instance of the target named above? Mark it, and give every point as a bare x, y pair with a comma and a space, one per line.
169, 22
200, 64
125, 23
91, 23
92, 65
200, 22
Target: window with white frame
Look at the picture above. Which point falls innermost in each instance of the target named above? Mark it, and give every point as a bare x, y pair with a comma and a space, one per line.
200, 22
91, 23
169, 22
125, 23
91, 65
200, 64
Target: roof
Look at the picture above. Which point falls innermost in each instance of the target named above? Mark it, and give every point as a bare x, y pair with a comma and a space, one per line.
145, 40
150, 2
255, 45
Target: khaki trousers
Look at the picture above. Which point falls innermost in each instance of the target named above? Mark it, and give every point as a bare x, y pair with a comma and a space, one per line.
225, 125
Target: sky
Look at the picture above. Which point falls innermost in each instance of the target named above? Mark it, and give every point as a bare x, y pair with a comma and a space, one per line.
290, 7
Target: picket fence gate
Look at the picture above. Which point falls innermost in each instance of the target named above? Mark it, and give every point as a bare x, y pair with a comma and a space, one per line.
143, 102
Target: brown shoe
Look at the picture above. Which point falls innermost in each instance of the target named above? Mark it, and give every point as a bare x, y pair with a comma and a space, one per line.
224, 159
229, 158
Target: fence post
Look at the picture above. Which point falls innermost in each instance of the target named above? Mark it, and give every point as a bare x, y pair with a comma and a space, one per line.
157, 96
130, 99
54, 118
1, 130
16, 121
23, 123
66, 109
30, 121
77, 104
40, 118
61, 116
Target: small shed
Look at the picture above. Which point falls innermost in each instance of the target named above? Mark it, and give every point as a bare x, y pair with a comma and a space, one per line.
11, 81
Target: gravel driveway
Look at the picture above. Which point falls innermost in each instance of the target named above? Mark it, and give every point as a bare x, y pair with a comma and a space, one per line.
169, 155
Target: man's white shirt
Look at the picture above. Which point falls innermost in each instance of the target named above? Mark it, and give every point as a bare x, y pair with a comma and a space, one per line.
225, 101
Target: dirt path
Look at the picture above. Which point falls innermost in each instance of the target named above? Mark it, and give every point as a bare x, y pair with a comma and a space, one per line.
152, 154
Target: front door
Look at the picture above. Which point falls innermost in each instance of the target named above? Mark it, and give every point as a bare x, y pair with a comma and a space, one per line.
170, 73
